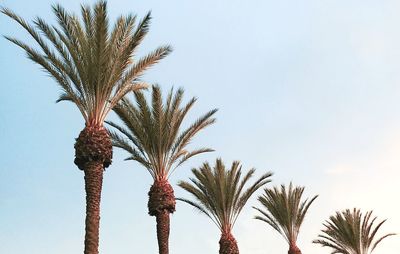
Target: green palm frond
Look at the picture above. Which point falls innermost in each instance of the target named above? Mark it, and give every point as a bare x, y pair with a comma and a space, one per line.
284, 210
219, 192
93, 64
151, 131
349, 232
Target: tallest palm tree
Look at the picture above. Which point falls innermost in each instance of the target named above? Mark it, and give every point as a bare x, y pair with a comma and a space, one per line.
95, 68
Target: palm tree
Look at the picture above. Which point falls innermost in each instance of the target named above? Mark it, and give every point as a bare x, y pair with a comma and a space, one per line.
284, 211
152, 136
351, 232
95, 68
219, 194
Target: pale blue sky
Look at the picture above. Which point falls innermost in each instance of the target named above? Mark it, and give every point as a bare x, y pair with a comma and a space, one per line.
307, 89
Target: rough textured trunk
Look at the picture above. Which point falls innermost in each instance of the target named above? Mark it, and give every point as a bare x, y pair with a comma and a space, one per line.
93, 184
163, 231
228, 244
161, 204
293, 249
93, 153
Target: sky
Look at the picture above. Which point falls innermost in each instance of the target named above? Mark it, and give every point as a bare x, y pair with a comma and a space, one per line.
307, 89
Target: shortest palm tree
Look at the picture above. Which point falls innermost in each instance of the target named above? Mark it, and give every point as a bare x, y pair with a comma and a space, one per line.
349, 232
285, 212
219, 194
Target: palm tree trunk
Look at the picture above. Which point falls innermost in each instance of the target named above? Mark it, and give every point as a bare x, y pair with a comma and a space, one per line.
93, 185
93, 153
228, 244
163, 231
293, 249
161, 204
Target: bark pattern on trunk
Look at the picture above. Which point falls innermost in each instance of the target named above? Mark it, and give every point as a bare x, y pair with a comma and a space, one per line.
161, 203
163, 231
93, 185
228, 244
293, 249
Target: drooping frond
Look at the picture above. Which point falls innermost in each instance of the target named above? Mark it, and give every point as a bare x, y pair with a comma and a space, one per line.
219, 192
152, 134
284, 210
93, 64
349, 232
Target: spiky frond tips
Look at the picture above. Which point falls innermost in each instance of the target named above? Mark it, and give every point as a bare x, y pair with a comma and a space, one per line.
351, 232
220, 192
93, 64
152, 131
284, 210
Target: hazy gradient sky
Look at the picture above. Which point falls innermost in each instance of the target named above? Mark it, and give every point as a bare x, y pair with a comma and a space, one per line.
307, 89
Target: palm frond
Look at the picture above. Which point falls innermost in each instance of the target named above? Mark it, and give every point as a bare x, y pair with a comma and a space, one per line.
351, 232
284, 210
93, 63
153, 128
217, 191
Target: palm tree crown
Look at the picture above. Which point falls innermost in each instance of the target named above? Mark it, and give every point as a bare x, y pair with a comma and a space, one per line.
284, 210
221, 195
152, 134
93, 65
351, 232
